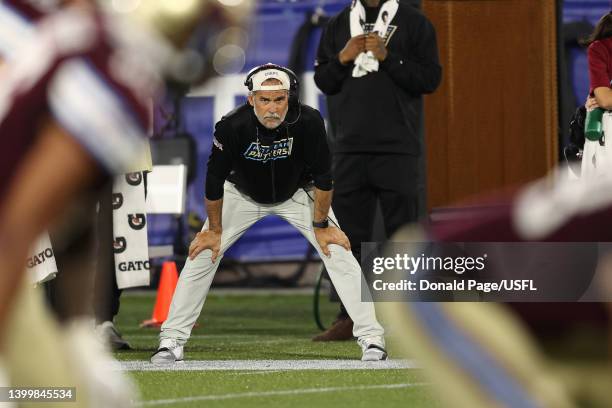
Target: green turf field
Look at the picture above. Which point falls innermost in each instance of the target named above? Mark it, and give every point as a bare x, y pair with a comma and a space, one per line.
263, 327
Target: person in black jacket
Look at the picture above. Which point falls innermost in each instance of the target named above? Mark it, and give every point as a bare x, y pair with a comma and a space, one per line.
374, 61
263, 155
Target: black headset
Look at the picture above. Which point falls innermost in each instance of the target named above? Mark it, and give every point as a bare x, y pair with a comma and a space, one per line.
294, 83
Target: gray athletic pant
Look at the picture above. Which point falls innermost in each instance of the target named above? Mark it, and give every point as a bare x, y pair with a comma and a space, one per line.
239, 213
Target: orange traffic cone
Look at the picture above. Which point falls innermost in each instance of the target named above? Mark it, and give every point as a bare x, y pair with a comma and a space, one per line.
167, 284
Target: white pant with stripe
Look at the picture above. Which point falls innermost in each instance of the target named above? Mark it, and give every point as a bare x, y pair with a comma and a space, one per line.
239, 213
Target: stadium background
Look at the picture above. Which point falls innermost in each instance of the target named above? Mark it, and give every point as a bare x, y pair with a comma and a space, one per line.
277, 325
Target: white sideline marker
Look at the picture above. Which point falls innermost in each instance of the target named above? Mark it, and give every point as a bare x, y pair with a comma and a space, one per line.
276, 393
265, 365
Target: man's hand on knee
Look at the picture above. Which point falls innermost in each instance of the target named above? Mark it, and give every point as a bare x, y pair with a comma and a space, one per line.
206, 240
331, 235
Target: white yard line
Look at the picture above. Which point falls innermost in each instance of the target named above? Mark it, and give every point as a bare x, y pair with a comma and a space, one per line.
196, 336
275, 393
267, 365
260, 372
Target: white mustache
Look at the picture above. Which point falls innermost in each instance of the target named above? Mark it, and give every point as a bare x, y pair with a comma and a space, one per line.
272, 116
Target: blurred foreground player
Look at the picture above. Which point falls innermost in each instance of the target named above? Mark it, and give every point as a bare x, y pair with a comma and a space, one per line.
488, 354
20, 19
73, 110
265, 155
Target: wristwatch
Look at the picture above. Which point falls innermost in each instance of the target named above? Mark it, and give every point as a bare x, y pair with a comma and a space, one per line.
321, 224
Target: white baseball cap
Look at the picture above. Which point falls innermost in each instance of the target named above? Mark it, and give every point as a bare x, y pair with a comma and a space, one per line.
272, 73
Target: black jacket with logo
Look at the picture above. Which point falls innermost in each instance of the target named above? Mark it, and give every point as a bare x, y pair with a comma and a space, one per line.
269, 165
381, 111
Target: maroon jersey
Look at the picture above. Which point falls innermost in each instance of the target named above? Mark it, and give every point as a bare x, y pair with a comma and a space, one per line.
88, 73
32, 10
18, 19
567, 211
600, 64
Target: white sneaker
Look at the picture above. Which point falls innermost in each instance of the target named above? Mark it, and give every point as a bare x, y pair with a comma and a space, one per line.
169, 352
373, 349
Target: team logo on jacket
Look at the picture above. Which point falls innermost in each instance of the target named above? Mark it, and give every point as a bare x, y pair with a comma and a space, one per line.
217, 143
280, 149
133, 179
117, 200
137, 221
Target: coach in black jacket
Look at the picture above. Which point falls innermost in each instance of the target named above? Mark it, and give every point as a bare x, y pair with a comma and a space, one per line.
260, 156
269, 165
375, 119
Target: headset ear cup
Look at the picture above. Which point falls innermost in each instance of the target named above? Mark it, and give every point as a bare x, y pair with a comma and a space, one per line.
294, 91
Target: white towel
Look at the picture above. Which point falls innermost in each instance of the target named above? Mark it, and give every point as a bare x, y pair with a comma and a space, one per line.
130, 244
366, 62
130, 232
